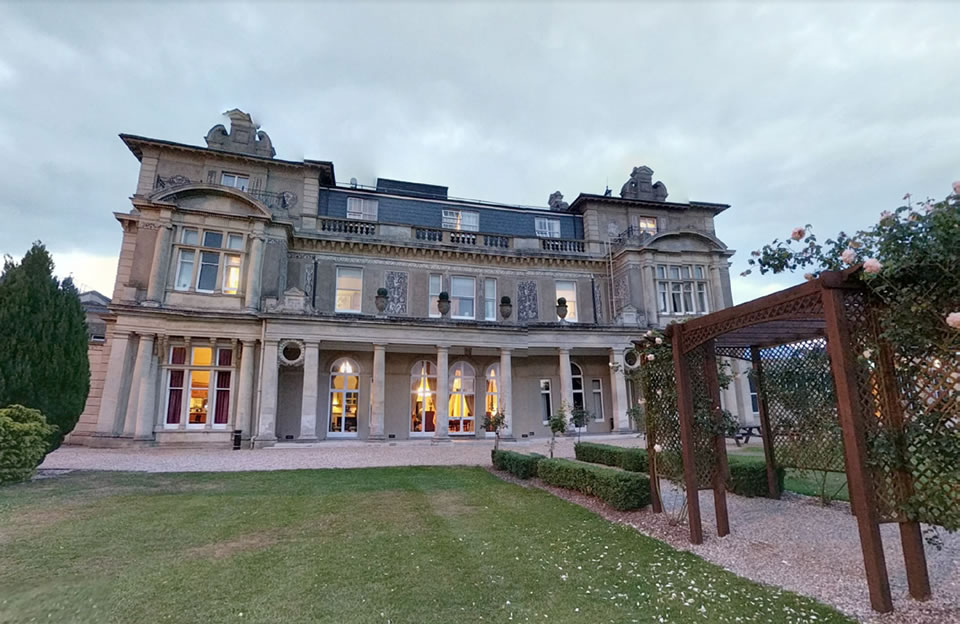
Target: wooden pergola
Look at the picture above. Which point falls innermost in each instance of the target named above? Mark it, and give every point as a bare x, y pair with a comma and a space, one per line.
832, 312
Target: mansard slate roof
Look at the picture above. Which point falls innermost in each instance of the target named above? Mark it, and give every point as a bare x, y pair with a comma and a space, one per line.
580, 203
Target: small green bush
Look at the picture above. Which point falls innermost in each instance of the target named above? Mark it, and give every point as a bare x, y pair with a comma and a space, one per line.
632, 459
750, 479
620, 489
24, 440
517, 464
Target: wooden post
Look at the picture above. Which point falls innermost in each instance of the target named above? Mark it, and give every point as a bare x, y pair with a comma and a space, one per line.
685, 412
655, 503
720, 471
766, 432
842, 364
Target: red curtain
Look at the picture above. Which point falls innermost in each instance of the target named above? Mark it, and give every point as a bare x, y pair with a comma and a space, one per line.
176, 397
223, 396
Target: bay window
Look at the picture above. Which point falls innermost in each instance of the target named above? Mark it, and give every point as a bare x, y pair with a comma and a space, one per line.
199, 385
202, 258
682, 289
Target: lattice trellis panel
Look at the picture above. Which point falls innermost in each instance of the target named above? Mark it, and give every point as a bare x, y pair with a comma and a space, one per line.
662, 419
704, 425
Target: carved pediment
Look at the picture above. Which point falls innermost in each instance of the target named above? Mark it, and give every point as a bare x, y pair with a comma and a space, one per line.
244, 137
213, 198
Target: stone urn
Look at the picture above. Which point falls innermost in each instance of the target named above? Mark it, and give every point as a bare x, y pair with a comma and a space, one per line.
381, 300
443, 303
562, 308
506, 308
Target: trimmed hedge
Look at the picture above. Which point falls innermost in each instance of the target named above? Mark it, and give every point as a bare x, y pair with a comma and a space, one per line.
24, 440
629, 458
750, 479
618, 488
517, 464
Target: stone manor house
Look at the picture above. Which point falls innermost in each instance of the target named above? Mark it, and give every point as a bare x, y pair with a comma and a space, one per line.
260, 294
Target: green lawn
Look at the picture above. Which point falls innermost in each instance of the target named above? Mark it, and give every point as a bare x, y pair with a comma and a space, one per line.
400, 545
806, 482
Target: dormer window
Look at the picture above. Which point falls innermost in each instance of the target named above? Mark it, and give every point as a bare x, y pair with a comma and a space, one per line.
461, 220
362, 209
547, 228
235, 180
647, 225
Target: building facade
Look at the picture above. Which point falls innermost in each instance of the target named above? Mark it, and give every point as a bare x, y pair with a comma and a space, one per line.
258, 294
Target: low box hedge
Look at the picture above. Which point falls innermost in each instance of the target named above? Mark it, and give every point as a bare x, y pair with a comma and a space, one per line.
517, 464
750, 479
629, 458
618, 488
24, 441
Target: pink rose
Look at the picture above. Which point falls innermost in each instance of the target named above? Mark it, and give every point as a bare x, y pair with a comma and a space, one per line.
849, 256
956, 187
953, 320
798, 233
809, 277
650, 357
886, 214
872, 265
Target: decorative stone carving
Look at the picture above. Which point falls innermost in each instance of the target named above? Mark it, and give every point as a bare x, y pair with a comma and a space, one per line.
244, 137
598, 300
527, 301
396, 282
621, 290
640, 186
307, 279
556, 202
613, 230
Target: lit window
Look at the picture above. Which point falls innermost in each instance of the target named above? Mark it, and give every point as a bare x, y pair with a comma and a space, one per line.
235, 180
492, 401
462, 379
597, 388
490, 299
362, 209
436, 286
462, 294
185, 269
205, 407
647, 225
547, 228
231, 274
682, 289
349, 288
423, 397
546, 402
203, 273
344, 397
568, 290
461, 220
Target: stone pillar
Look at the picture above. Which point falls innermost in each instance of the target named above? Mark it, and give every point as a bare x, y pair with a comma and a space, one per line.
308, 405
618, 388
651, 305
245, 388
146, 412
442, 432
506, 392
378, 399
716, 289
267, 422
113, 384
254, 268
158, 272
141, 364
566, 381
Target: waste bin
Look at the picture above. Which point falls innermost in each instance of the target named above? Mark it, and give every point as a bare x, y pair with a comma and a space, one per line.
237, 439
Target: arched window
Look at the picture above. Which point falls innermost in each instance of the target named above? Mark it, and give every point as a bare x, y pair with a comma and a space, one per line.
344, 397
462, 382
423, 397
492, 402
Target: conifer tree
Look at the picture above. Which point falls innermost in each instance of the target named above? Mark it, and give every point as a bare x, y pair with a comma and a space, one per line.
43, 342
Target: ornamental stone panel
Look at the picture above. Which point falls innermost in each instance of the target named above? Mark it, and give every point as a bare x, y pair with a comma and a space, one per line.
527, 301
396, 284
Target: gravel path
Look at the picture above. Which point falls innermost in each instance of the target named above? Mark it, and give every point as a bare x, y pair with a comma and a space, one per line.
793, 543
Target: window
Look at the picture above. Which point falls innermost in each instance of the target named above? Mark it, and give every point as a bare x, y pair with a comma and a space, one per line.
597, 388
646, 225
234, 180
362, 209
207, 276
682, 289
423, 397
462, 294
344, 397
490, 299
568, 290
436, 286
547, 228
349, 288
185, 269
546, 404
235, 241
576, 377
462, 381
461, 220
188, 237
231, 274
754, 395
206, 407
200, 261
492, 395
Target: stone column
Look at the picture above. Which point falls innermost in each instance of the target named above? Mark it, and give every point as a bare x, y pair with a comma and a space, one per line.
308, 405
113, 384
506, 392
618, 388
566, 381
267, 425
651, 305
442, 432
378, 399
158, 272
254, 268
146, 405
141, 365
245, 388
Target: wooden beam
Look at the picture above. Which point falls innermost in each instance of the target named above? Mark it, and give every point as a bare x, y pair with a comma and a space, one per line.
685, 411
766, 432
719, 439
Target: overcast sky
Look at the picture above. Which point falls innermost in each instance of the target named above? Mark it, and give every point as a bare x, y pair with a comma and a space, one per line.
791, 113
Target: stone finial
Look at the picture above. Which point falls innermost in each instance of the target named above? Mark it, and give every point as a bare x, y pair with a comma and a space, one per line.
639, 186
556, 202
244, 137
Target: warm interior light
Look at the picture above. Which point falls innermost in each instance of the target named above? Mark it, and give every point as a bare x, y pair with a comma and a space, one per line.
345, 367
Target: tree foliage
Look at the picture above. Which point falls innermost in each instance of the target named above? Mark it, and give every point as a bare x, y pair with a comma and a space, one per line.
24, 438
43, 342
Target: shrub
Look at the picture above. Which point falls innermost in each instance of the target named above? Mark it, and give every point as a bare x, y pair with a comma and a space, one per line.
750, 479
24, 440
620, 489
632, 459
517, 464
